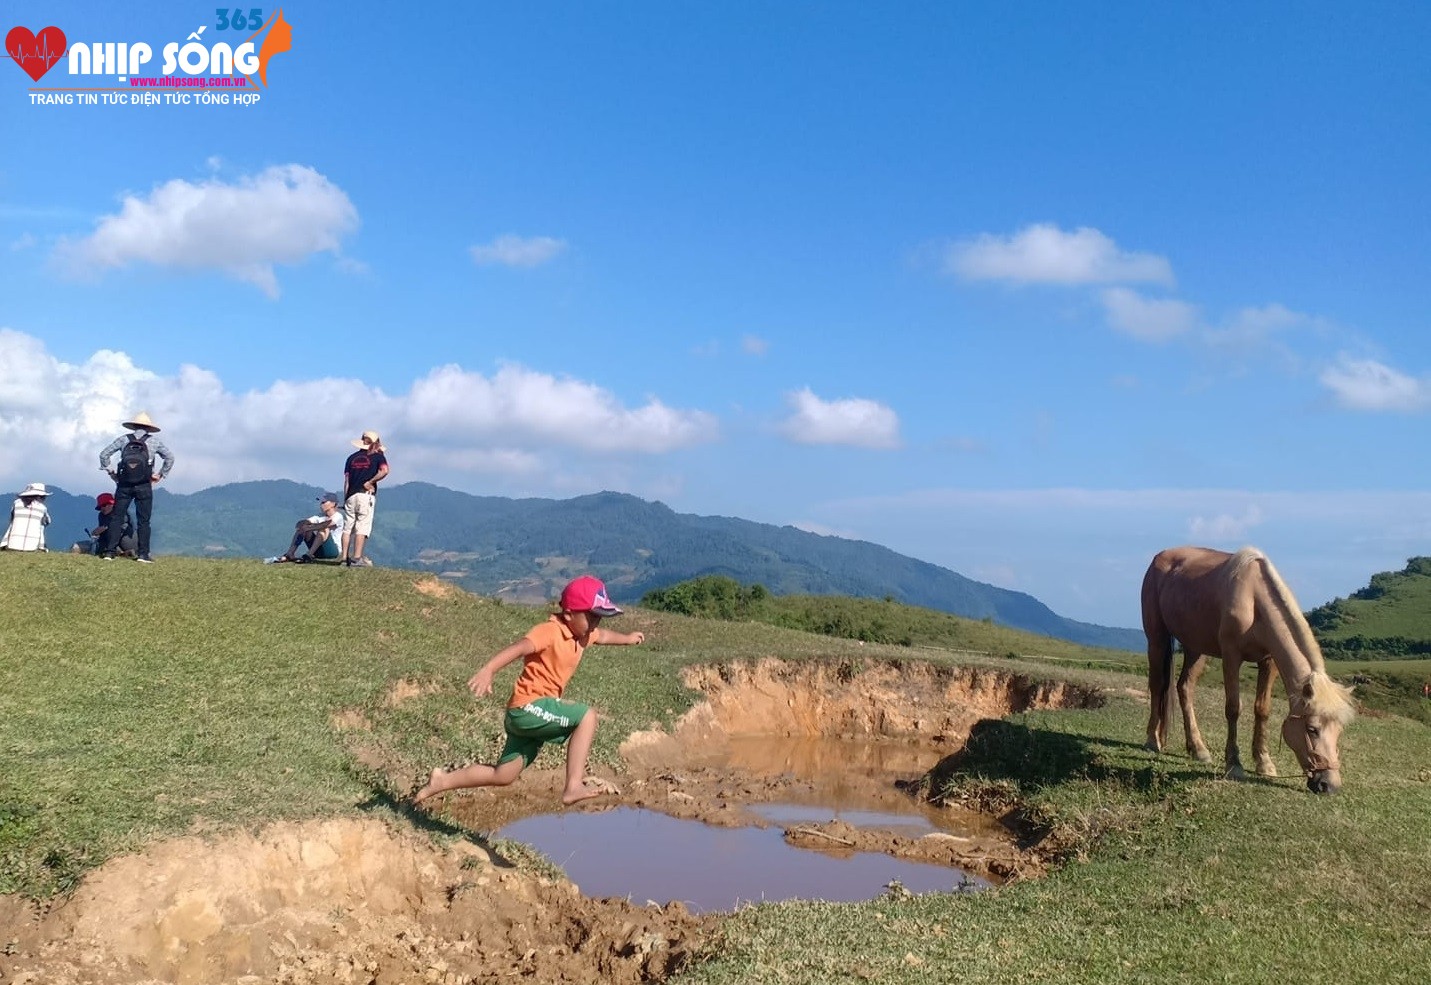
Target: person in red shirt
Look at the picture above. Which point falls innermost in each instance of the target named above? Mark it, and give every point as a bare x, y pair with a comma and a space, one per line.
537, 713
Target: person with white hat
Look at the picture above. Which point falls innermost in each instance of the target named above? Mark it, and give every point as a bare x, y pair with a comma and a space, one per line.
28, 519
362, 472
134, 480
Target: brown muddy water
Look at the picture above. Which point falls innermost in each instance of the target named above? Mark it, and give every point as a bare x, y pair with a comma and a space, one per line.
782, 850
644, 856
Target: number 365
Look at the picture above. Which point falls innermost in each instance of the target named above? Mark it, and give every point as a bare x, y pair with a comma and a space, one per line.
237, 20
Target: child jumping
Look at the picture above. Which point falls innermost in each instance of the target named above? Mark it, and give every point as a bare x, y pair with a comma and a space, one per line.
536, 713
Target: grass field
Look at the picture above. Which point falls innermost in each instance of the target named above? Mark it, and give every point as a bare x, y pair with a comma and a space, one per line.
138, 702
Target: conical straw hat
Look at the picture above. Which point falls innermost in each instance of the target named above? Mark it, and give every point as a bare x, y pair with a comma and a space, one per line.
142, 422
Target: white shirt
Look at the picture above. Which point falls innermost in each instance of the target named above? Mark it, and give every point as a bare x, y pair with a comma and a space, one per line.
27, 526
337, 532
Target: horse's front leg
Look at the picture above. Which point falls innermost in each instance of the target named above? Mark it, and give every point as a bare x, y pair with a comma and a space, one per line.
1261, 711
1232, 704
1193, 666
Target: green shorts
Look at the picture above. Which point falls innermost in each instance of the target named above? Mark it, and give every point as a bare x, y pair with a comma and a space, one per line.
538, 722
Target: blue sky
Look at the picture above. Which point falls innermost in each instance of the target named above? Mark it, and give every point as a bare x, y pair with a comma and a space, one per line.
1028, 290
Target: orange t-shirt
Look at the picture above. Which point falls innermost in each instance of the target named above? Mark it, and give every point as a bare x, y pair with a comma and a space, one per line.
545, 672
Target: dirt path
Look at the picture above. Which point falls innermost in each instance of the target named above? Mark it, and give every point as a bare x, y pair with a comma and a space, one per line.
366, 902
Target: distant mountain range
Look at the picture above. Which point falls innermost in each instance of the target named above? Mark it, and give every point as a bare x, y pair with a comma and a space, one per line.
525, 549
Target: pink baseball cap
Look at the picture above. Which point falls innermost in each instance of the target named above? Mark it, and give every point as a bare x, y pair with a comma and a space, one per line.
587, 594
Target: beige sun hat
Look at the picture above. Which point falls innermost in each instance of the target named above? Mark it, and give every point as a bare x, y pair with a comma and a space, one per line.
369, 438
142, 422
34, 489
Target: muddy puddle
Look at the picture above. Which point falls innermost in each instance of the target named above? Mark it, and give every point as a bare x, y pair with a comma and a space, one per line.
800, 817
647, 857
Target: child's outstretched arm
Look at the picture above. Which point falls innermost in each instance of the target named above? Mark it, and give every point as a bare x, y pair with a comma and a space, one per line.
481, 682
606, 637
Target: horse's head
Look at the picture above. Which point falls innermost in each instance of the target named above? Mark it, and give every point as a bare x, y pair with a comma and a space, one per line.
1320, 709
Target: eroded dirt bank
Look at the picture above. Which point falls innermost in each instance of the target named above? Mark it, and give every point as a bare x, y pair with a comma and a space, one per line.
350, 901
368, 902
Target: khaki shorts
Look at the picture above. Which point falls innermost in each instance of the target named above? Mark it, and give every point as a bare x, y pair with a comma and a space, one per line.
360, 508
538, 722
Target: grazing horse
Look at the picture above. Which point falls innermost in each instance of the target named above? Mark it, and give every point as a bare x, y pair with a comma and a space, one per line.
1235, 606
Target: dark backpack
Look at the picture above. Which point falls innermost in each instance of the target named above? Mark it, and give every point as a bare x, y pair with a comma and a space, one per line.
135, 467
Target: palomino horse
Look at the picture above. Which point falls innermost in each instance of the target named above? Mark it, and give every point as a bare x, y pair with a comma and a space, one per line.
1235, 606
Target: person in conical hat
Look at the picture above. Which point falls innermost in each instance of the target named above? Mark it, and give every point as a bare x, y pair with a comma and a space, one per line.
135, 476
28, 519
142, 422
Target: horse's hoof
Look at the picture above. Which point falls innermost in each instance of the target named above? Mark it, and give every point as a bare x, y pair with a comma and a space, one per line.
1201, 755
1235, 773
1152, 747
1266, 769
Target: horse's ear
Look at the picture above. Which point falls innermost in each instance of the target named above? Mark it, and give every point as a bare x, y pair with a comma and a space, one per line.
1308, 690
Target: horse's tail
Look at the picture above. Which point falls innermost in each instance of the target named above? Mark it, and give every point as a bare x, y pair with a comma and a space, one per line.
1160, 657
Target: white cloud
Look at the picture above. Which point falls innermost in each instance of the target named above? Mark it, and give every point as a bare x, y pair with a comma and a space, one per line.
1365, 384
282, 215
854, 421
1255, 336
521, 405
1225, 529
518, 251
1045, 254
753, 346
517, 425
1260, 323
22, 242
1148, 319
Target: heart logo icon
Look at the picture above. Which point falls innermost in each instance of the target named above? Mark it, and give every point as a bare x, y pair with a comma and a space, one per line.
35, 53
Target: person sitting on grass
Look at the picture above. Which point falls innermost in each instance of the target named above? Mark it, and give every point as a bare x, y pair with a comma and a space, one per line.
537, 713
28, 519
320, 534
104, 510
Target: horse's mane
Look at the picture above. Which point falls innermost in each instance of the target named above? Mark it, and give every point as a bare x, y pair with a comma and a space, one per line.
1326, 698
1329, 699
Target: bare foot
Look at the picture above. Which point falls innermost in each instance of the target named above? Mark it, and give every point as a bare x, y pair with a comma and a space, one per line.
592, 786
431, 788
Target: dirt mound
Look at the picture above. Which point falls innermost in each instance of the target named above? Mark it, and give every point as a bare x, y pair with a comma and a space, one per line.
336, 901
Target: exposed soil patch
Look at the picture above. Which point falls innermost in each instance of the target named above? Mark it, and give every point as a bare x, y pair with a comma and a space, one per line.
405, 690
360, 901
436, 588
336, 901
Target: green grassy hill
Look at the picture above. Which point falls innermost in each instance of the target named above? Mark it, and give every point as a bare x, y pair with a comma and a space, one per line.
1389, 619
874, 621
523, 550
141, 702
